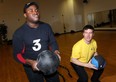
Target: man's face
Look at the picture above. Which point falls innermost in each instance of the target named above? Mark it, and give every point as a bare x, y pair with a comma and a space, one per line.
32, 14
88, 35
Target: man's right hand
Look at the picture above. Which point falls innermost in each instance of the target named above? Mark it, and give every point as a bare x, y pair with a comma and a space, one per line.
89, 65
33, 64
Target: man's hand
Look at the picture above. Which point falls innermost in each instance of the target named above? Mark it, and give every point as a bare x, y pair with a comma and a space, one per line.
89, 65
57, 53
33, 64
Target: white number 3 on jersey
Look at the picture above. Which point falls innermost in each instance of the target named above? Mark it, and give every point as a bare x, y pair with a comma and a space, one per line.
37, 45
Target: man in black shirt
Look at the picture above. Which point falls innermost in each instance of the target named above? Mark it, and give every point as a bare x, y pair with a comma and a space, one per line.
32, 38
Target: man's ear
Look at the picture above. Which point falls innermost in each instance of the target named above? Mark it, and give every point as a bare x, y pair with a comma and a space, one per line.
25, 15
83, 33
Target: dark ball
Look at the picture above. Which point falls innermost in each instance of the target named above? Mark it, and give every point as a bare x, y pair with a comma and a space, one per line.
48, 62
98, 61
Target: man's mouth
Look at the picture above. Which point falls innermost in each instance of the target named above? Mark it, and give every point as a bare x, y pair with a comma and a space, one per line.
36, 16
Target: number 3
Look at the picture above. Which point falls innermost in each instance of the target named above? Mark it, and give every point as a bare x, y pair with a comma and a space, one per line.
37, 45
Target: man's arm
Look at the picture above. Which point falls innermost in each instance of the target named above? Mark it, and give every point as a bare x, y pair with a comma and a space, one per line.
18, 48
77, 62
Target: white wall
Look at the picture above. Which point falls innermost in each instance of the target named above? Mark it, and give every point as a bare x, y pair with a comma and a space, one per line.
98, 5
12, 14
101, 17
58, 13
79, 14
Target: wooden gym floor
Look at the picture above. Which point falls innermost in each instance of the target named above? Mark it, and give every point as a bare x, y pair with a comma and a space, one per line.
11, 71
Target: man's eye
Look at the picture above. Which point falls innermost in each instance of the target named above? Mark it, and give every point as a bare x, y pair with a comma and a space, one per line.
36, 10
29, 11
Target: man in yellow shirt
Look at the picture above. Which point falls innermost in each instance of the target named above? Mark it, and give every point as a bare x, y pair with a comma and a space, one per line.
82, 52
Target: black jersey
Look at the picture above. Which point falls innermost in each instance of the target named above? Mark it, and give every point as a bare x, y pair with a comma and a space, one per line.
33, 40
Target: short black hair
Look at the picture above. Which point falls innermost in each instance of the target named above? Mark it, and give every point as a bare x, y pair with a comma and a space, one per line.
29, 4
88, 27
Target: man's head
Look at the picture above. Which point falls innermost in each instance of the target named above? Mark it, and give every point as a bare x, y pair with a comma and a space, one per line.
88, 33
31, 12
88, 27
30, 4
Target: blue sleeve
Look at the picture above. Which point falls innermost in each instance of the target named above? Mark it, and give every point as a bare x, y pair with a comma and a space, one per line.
17, 45
52, 40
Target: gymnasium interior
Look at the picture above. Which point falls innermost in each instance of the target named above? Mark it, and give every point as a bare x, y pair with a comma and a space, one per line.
67, 18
